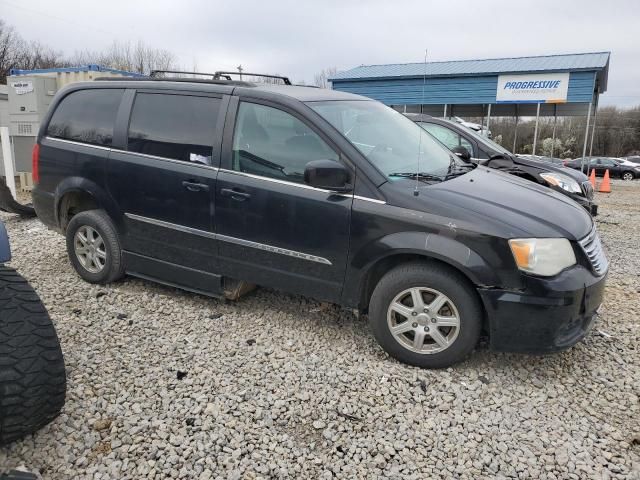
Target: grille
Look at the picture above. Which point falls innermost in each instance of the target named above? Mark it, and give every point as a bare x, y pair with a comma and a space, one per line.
592, 247
587, 189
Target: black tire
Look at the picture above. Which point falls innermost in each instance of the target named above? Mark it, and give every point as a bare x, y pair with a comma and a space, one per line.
627, 176
32, 374
437, 277
98, 220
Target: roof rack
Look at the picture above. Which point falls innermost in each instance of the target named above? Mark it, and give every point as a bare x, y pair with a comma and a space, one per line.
217, 75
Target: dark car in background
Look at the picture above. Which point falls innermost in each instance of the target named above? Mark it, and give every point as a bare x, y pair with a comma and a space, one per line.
316, 192
616, 168
541, 158
484, 151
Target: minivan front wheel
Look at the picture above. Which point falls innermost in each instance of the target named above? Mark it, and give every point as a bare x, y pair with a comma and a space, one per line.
94, 247
426, 315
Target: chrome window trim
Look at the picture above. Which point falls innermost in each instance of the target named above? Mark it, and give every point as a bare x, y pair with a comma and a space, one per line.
82, 144
367, 199
165, 159
210, 167
277, 180
146, 155
300, 185
228, 239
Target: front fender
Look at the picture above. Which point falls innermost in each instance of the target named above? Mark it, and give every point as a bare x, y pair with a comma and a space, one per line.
428, 245
5, 248
83, 185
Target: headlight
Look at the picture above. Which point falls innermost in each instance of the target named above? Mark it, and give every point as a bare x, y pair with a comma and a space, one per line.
542, 256
636, 168
562, 181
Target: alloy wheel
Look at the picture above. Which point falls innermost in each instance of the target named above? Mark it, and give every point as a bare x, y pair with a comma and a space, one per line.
423, 320
90, 249
627, 176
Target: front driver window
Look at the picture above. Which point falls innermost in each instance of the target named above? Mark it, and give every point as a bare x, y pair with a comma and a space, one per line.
273, 143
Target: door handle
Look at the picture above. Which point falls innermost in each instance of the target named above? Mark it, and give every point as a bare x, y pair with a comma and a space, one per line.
235, 194
195, 187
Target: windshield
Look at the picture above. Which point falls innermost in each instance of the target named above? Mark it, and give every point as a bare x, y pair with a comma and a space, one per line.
390, 141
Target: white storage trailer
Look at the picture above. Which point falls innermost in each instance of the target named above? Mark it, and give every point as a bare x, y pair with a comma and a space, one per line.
24, 102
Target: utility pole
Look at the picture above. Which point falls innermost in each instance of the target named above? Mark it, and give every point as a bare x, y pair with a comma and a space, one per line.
240, 69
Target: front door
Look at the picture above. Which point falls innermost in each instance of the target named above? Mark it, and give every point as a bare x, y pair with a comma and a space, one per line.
164, 181
272, 228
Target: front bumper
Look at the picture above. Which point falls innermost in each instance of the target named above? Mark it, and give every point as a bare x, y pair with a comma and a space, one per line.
589, 205
548, 315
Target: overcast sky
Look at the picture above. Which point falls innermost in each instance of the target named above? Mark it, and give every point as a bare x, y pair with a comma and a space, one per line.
299, 38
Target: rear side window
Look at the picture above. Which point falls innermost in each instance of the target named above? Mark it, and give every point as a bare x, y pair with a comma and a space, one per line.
178, 127
86, 116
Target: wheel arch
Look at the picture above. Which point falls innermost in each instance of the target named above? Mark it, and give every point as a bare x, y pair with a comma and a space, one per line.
77, 194
400, 248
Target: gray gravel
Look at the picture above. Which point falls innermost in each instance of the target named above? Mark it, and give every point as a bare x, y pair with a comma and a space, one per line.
163, 383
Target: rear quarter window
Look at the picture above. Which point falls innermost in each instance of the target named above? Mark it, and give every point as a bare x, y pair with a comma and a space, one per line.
86, 116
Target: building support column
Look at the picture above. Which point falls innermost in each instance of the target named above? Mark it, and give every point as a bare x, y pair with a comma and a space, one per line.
444, 115
586, 137
488, 119
555, 121
593, 128
535, 131
515, 132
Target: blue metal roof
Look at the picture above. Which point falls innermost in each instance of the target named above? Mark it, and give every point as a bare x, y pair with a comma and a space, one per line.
598, 61
82, 68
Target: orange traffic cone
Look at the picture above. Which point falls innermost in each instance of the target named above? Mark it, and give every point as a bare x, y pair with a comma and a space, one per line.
592, 178
605, 186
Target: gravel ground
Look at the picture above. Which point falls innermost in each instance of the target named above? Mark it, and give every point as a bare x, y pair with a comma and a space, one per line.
163, 383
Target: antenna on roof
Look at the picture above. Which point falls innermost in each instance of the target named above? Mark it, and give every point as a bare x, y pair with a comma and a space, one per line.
416, 192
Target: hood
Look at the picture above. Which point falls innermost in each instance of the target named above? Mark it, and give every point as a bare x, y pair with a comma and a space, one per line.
499, 204
577, 175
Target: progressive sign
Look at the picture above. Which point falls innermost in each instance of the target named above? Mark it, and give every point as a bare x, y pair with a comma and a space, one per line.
537, 88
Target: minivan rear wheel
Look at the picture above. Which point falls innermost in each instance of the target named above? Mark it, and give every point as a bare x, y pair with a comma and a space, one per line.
426, 315
627, 176
94, 247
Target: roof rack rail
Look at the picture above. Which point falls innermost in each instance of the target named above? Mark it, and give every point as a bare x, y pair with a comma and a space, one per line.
227, 75
177, 79
159, 73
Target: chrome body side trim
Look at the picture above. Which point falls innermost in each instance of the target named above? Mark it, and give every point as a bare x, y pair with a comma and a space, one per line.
225, 238
272, 249
172, 226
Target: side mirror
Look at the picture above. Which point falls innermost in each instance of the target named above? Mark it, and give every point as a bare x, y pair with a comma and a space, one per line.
327, 174
462, 152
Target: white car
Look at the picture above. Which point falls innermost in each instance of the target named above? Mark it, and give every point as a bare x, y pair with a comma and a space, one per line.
474, 126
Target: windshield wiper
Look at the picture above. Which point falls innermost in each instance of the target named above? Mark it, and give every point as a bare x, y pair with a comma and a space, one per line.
418, 175
456, 169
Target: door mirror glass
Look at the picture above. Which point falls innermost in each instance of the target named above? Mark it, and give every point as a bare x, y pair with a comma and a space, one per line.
462, 152
327, 174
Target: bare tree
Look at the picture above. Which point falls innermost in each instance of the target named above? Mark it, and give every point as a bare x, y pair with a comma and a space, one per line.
138, 57
321, 79
15, 52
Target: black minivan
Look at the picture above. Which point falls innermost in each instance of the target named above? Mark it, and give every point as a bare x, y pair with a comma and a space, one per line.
205, 184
